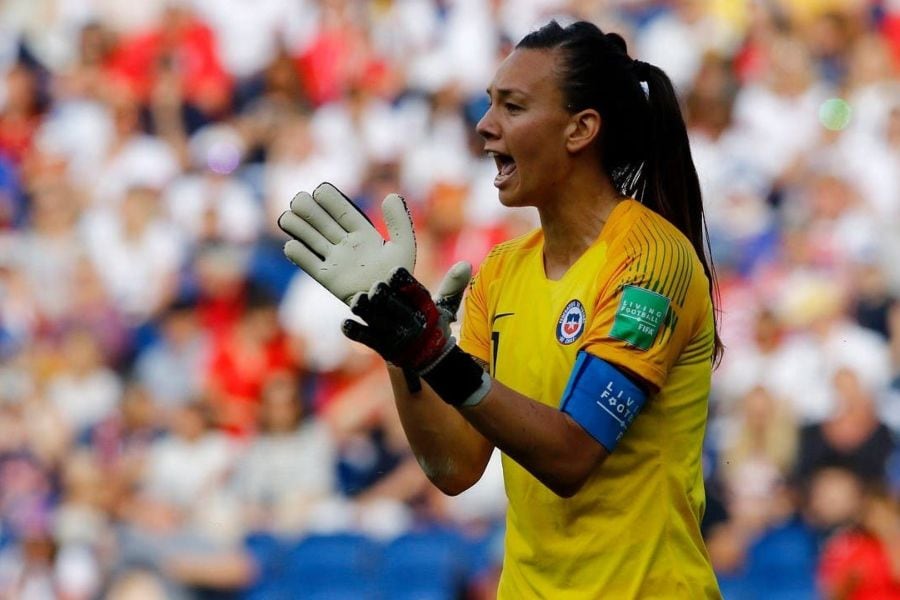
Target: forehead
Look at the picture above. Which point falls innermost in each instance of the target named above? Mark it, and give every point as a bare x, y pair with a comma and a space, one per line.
530, 71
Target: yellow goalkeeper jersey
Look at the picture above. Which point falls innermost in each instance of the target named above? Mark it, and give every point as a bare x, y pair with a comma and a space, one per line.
637, 298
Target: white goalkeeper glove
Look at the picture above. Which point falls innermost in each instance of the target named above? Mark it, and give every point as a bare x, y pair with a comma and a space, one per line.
338, 246
452, 287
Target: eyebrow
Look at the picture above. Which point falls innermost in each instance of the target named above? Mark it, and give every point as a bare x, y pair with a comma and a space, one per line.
504, 92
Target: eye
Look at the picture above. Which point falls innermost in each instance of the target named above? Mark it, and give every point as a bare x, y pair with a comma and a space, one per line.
512, 108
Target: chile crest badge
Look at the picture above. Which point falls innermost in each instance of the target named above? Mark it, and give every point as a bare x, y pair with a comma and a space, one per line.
571, 323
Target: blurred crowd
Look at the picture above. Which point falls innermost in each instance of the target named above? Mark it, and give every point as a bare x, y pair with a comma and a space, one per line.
172, 388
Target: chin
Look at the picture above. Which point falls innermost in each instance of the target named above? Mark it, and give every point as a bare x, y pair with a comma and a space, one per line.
513, 198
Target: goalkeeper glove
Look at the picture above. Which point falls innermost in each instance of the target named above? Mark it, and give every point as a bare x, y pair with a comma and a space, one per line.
412, 331
338, 246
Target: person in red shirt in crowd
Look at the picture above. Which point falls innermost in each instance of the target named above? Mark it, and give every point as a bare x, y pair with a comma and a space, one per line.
891, 30
183, 47
20, 114
863, 563
243, 359
339, 57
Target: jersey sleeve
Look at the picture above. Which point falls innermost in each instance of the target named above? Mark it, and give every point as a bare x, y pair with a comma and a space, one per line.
651, 304
474, 335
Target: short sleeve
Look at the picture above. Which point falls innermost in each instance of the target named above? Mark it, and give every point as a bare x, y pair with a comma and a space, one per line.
651, 304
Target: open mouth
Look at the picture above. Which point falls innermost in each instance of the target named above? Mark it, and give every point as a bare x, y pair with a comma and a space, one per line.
506, 167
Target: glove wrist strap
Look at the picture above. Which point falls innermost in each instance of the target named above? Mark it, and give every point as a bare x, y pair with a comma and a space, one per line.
458, 379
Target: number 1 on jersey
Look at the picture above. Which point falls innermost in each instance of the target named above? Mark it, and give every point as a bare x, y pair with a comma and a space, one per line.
495, 346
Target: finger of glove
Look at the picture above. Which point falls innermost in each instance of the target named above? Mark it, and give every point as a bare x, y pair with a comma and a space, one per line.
376, 309
302, 231
304, 206
360, 305
394, 309
453, 286
342, 210
358, 332
409, 288
398, 221
303, 257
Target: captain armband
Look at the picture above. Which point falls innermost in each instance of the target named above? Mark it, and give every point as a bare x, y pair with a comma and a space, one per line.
602, 399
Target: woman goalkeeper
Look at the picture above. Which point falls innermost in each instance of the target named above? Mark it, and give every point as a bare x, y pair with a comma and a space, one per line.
587, 345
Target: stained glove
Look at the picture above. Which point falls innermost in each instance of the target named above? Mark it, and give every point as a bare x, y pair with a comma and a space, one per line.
338, 246
411, 330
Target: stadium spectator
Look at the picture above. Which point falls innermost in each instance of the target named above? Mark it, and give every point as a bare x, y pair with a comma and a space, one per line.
288, 467
48, 251
21, 115
861, 562
206, 203
128, 157
756, 456
242, 359
180, 45
853, 438
172, 367
136, 252
84, 390
189, 462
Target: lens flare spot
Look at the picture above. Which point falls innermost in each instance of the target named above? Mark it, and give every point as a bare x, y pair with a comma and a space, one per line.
835, 114
223, 158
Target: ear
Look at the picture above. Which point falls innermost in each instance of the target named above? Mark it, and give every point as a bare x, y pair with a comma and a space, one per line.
582, 130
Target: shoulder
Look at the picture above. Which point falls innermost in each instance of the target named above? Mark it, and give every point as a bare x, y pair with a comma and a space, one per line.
638, 229
515, 246
653, 253
510, 251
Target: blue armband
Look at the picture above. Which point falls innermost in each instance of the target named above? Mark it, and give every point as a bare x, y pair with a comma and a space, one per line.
602, 399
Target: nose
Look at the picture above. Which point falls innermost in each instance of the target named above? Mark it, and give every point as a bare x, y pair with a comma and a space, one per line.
486, 126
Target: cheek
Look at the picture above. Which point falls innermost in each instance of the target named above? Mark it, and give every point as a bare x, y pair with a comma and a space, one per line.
544, 143
546, 161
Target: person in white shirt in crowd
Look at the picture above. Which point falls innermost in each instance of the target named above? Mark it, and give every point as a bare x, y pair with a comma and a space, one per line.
677, 40
184, 474
248, 34
825, 339
172, 367
289, 467
210, 203
85, 390
777, 118
48, 252
294, 161
136, 251
131, 157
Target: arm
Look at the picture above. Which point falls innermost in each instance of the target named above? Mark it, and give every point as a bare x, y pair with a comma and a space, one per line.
544, 440
229, 570
451, 452
453, 445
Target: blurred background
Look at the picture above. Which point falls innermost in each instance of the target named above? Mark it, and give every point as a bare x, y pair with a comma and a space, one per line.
180, 416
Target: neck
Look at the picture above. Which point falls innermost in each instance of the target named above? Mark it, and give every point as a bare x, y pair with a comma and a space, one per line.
572, 221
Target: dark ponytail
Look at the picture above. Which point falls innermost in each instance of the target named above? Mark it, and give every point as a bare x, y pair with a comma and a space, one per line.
643, 143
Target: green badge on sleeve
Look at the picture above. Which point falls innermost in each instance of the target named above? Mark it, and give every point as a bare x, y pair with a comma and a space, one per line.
640, 316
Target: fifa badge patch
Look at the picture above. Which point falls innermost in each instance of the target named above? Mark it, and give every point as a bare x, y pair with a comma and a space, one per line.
639, 317
571, 323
